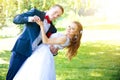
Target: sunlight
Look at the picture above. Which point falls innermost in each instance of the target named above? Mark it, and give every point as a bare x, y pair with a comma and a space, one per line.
10, 31
4, 43
96, 74
109, 9
92, 53
3, 61
118, 54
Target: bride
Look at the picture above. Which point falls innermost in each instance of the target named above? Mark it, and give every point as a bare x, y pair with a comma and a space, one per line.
40, 65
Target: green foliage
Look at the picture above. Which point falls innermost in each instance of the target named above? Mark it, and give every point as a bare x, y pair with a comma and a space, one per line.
10, 8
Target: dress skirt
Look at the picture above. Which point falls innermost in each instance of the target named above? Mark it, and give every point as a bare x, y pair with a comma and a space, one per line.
39, 66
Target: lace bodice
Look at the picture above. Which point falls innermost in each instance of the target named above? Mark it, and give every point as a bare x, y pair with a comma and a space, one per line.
62, 45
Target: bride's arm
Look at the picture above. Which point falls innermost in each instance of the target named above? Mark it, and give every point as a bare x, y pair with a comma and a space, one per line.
46, 40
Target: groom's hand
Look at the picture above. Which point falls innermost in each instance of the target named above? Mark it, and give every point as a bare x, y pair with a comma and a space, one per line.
33, 18
36, 18
54, 50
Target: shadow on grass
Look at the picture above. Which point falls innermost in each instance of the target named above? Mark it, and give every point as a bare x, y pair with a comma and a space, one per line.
4, 60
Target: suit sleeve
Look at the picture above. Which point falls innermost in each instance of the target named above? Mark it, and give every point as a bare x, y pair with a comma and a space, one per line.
23, 18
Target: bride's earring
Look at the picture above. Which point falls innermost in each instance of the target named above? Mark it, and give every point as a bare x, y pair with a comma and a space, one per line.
81, 31
75, 37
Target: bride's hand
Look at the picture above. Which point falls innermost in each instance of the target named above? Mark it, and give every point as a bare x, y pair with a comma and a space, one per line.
39, 22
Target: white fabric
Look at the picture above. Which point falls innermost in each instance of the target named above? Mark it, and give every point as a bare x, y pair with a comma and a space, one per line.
30, 19
40, 65
62, 45
38, 39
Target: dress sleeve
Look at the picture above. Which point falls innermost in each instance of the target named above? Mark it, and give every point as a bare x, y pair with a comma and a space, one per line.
67, 43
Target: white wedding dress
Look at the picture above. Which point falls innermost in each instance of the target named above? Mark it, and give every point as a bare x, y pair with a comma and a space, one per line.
40, 65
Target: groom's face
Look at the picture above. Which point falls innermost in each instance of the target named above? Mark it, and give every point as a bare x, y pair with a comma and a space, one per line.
55, 12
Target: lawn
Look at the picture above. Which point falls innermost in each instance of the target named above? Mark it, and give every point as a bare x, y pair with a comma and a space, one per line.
99, 60
96, 61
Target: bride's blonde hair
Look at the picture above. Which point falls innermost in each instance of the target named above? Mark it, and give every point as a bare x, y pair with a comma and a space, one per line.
74, 42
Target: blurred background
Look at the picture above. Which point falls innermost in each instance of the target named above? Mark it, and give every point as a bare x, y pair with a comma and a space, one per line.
99, 54
93, 14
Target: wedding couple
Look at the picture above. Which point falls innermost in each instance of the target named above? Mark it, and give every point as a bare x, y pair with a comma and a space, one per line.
32, 56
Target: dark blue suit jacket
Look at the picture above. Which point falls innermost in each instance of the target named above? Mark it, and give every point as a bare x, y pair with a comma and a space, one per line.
31, 30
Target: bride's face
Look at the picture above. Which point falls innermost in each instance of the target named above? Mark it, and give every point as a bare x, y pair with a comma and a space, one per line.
72, 29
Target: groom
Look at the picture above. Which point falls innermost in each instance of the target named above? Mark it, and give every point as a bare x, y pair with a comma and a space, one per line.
30, 38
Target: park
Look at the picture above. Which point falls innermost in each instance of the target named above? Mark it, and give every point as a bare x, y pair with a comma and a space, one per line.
98, 57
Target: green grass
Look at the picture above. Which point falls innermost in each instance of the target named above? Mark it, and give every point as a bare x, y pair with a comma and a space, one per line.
95, 61
4, 59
